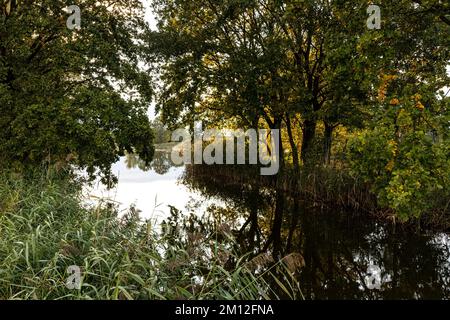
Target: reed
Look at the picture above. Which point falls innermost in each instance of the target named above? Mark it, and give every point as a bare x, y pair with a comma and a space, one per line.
321, 187
45, 228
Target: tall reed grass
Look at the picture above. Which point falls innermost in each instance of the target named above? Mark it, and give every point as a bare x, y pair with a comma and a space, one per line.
45, 228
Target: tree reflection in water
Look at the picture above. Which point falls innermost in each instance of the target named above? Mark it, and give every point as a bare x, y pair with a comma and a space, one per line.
337, 247
161, 163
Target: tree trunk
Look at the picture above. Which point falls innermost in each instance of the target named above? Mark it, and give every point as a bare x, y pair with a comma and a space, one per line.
279, 203
295, 157
293, 147
309, 133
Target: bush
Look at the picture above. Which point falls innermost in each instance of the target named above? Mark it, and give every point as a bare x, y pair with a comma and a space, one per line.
409, 174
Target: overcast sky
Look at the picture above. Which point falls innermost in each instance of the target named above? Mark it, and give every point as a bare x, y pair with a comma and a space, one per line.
149, 16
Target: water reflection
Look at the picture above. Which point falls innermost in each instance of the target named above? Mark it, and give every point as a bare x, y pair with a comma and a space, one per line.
152, 189
339, 250
161, 163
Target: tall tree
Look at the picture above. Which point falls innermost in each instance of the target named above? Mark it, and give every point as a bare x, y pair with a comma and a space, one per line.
265, 59
73, 96
404, 152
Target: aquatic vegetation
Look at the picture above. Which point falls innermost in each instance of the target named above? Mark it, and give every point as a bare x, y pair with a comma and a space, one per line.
45, 231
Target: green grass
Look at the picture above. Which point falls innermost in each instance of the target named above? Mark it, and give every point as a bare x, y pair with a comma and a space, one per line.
44, 229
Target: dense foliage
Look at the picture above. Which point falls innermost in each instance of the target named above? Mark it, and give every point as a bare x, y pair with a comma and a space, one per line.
358, 108
73, 96
316, 71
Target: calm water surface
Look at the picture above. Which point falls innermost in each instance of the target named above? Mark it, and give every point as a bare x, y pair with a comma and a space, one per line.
346, 255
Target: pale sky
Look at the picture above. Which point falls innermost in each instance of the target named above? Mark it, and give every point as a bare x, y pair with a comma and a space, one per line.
149, 16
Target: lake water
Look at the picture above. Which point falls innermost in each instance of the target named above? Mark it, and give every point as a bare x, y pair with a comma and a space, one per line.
345, 254
151, 192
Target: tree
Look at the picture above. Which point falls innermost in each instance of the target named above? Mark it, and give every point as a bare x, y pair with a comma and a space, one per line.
73, 96
282, 62
162, 134
404, 151
305, 63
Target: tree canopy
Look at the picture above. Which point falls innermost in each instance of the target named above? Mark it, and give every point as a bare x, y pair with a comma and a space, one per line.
310, 66
73, 96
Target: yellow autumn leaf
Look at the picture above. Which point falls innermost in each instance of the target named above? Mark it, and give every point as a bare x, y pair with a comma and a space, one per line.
394, 102
390, 166
8, 8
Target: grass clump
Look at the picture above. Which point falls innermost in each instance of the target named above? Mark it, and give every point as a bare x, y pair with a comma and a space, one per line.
45, 229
